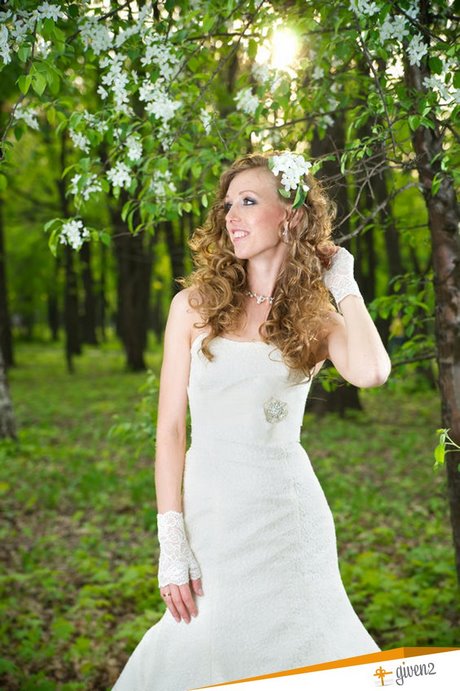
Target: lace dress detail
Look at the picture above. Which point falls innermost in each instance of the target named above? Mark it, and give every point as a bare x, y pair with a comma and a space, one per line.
177, 563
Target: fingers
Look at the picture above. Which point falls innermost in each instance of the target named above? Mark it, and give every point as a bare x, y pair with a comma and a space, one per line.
166, 594
180, 602
197, 587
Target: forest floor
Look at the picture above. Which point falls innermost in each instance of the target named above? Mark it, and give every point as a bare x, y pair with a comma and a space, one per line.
78, 533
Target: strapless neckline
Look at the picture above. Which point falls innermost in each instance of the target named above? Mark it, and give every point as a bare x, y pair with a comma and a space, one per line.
230, 340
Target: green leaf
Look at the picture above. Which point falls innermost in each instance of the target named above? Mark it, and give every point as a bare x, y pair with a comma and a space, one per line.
435, 65
436, 184
196, 170
456, 80
252, 48
125, 210
3, 182
208, 23
299, 197
105, 237
24, 83
54, 240
414, 122
204, 200
19, 131
54, 81
439, 454
24, 52
38, 83
51, 223
51, 116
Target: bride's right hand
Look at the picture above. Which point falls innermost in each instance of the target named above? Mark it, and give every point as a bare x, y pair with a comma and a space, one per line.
179, 599
177, 566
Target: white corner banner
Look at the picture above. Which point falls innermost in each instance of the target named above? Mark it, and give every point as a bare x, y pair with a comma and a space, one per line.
412, 669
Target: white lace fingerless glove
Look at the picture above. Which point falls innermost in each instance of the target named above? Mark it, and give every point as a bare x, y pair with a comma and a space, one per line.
339, 278
176, 557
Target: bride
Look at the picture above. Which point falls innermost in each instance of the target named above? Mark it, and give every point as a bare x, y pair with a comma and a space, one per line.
248, 564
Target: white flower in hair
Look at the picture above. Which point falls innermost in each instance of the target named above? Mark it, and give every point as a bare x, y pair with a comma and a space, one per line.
293, 167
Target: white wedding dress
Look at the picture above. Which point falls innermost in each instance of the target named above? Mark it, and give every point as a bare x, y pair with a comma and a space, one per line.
261, 530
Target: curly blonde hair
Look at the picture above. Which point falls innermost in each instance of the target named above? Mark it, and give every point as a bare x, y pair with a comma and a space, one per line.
301, 300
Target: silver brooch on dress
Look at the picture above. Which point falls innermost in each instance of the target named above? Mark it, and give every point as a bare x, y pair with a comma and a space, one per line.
275, 410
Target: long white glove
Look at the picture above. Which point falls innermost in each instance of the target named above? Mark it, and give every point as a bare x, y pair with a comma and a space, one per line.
176, 557
339, 277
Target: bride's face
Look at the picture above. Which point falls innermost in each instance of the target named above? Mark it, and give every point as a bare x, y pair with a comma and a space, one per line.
254, 213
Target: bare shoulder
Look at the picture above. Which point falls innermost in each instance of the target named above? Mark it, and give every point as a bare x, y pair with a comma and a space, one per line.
182, 314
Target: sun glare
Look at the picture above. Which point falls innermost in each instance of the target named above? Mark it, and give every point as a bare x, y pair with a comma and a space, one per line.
284, 48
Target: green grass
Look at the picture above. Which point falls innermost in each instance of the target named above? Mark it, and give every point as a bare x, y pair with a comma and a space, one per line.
78, 537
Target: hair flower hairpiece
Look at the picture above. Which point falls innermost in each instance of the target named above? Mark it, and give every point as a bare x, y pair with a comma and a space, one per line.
294, 167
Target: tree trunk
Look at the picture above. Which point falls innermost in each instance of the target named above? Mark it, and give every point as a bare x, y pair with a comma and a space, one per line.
134, 255
53, 303
443, 219
343, 397
88, 321
6, 342
175, 242
72, 344
101, 297
7, 422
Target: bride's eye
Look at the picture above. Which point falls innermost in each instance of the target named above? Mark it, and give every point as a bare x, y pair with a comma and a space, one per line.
227, 205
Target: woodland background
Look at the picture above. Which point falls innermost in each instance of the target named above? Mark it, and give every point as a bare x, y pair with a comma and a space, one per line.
116, 121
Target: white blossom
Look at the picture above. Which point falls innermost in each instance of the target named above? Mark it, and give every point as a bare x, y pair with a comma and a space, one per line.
120, 175
95, 35
116, 78
161, 184
246, 101
413, 10
364, 7
22, 24
47, 11
73, 233
42, 47
326, 120
261, 72
437, 83
160, 53
134, 146
416, 49
157, 100
5, 16
318, 73
80, 140
124, 34
96, 123
293, 166
393, 28
164, 135
29, 115
103, 93
92, 185
205, 118
4, 47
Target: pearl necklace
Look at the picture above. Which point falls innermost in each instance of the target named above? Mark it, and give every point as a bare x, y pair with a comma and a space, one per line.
260, 298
